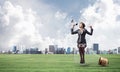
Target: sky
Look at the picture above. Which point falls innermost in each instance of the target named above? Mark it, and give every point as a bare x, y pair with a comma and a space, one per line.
40, 23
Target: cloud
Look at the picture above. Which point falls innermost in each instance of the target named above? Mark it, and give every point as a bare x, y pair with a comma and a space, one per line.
26, 27
16, 24
60, 15
36, 24
103, 15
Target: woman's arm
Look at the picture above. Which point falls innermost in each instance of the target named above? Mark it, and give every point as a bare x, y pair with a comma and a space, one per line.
72, 30
91, 32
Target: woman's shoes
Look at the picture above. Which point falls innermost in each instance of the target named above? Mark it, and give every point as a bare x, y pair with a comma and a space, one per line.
82, 62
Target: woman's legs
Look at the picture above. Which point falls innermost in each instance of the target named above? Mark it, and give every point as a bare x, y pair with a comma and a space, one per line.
83, 54
81, 51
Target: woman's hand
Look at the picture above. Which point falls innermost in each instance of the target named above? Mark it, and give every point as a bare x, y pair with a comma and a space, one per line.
72, 26
91, 27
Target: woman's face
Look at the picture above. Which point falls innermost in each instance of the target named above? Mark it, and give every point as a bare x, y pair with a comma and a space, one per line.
81, 25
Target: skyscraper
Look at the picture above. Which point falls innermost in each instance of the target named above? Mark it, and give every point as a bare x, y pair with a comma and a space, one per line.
118, 50
53, 48
96, 48
46, 51
14, 49
68, 50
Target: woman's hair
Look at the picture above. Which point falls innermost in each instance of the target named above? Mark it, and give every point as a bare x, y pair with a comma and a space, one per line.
83, 24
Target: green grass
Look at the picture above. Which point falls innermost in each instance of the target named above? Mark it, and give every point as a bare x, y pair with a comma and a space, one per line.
56, 63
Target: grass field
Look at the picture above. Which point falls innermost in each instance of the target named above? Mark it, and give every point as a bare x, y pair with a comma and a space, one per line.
56, 63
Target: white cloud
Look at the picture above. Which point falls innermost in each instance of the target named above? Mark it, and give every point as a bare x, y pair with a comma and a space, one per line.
102, 15
36, 24
60, 15
24, 26
19, 27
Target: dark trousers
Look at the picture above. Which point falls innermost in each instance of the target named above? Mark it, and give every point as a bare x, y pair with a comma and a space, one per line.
81, 48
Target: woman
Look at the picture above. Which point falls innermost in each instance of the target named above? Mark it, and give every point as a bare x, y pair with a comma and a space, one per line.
81, 42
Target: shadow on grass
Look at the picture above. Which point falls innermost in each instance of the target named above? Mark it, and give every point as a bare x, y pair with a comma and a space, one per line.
89, 65
84, 65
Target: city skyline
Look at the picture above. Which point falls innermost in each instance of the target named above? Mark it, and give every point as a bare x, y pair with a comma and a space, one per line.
54, 49
40, 23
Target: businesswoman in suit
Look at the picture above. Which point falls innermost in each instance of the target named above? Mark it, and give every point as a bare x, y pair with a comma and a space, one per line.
81, 41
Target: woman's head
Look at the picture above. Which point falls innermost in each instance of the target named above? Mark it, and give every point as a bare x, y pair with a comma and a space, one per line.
82, 25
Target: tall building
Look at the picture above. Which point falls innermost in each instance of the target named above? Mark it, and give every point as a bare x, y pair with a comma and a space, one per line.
46, 51
14, 49
60, 51
33, 51
96, 48
114, 51
118, 50
68, 50
53, 48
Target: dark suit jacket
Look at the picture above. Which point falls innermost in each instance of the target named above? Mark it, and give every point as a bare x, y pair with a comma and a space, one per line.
81, 36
